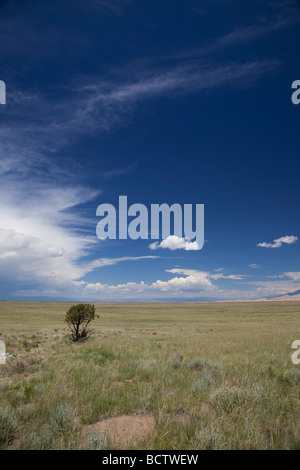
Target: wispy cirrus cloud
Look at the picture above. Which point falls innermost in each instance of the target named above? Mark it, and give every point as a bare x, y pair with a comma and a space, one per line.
116, 99
103, 103
278, 242
103, 262
256, 30
32, 145
240, 35
109, 6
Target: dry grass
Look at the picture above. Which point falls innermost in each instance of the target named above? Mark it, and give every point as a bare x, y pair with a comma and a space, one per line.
207, 375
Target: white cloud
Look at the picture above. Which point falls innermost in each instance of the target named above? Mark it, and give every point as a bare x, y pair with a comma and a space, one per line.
44, 238
102, 262
183, 284
55, 251
278, 242
292, 275
189, 279
187, 283
172, 242
254, 266
34, 240
235, 277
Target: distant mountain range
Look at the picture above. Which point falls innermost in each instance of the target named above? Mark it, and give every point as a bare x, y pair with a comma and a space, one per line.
291, 296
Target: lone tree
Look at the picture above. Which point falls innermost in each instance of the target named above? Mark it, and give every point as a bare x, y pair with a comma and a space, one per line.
78, 318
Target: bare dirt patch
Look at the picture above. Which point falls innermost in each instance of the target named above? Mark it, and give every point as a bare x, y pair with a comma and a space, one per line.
124, 431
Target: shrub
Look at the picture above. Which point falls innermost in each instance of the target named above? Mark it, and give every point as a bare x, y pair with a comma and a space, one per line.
177, 361
207, 377
268, 372
38, 441
208, 439
8, 425
78, 318
257, 392
228, 398
145, 363
200, 364
62, 419
95, 440
292, 377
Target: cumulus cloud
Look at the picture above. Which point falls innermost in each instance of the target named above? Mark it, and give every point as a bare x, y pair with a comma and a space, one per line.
182, 284
176, 243
278, 242
189, 279
188, 283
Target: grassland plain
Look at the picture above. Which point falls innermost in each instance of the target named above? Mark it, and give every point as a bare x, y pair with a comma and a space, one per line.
203, 375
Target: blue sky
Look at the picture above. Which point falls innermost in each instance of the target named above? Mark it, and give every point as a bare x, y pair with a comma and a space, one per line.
165, 102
